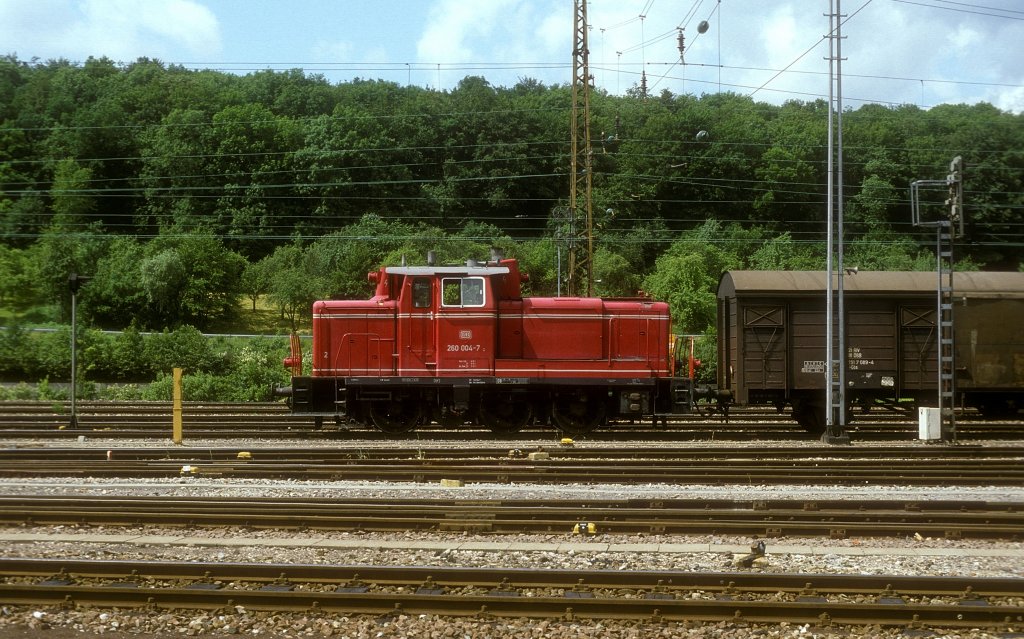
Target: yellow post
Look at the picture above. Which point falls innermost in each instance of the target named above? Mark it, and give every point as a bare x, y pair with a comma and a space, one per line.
176, 411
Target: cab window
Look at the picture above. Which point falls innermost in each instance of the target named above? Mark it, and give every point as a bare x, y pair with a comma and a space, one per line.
462, 291
421, 293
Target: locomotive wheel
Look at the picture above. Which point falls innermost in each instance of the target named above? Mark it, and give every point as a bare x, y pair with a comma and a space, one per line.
396, 416
506, 414
578, 413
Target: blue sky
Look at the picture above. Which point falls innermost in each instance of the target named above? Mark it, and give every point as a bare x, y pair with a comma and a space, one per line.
923, 52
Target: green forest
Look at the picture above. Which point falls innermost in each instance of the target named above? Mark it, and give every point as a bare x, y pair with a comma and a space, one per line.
214, 202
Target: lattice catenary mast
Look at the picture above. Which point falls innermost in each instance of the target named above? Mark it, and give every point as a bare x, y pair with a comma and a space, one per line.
580, 274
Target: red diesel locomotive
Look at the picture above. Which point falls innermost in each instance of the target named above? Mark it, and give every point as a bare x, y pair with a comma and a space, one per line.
461, 345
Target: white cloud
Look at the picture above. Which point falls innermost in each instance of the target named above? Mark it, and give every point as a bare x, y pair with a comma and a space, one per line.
119, 29
512, 33
332, 51
965, 38
455, 27
1011, 100
781, 38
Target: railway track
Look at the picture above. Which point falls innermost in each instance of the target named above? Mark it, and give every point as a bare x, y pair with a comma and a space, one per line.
761, 518
823, 601
119, 420
920, 466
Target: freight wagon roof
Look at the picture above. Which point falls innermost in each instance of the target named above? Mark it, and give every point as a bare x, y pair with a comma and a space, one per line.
972, 283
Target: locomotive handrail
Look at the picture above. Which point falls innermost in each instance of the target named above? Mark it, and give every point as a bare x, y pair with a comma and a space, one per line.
611, 337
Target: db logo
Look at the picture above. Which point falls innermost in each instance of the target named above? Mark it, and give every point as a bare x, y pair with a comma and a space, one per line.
464, 334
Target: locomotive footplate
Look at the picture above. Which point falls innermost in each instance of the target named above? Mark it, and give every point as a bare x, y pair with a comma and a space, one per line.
640, 382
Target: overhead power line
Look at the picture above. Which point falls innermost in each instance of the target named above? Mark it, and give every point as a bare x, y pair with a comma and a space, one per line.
962, 7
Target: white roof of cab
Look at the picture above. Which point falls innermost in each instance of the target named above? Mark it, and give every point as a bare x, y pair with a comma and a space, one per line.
446, 270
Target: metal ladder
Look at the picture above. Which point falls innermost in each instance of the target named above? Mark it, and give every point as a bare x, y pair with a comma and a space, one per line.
948, 231
944, 321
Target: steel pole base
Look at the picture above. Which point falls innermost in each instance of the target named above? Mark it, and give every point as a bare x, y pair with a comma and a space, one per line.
835, 436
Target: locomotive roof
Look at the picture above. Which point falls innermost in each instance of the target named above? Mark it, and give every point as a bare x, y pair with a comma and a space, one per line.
446, 270
976, 283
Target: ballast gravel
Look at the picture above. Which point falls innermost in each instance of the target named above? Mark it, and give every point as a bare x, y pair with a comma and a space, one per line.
911, 556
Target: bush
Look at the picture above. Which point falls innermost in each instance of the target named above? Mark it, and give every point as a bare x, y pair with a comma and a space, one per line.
122, 393
116, 358
16, 354
184, 348
45, 392
216, 369
196, 387
256, 369
31, 355
21, 392
53, 354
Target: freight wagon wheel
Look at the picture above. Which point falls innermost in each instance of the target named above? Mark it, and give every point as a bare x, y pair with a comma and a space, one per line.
578, 413
810, 415
396, 416
998, 409
505, 414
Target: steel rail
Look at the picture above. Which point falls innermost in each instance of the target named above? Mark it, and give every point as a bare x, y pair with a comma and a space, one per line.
921, 472
762, 518
272, 420
401, 453
157, 409
656, 596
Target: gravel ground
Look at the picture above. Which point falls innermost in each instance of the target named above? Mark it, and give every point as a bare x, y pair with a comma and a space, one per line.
93, 623
346, 440
904, 556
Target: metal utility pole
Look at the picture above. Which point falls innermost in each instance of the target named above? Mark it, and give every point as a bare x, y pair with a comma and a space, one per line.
74, 283
835, 358
580, 275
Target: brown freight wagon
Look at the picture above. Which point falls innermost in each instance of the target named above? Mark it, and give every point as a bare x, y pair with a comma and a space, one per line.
772, 328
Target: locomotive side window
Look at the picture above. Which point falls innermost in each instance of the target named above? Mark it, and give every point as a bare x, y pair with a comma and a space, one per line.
473, 291
421, 293
451, 292
462, 291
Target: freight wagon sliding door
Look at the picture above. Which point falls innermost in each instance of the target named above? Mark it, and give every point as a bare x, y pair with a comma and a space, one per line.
763, 346
807, 325
871, 345
917, 348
